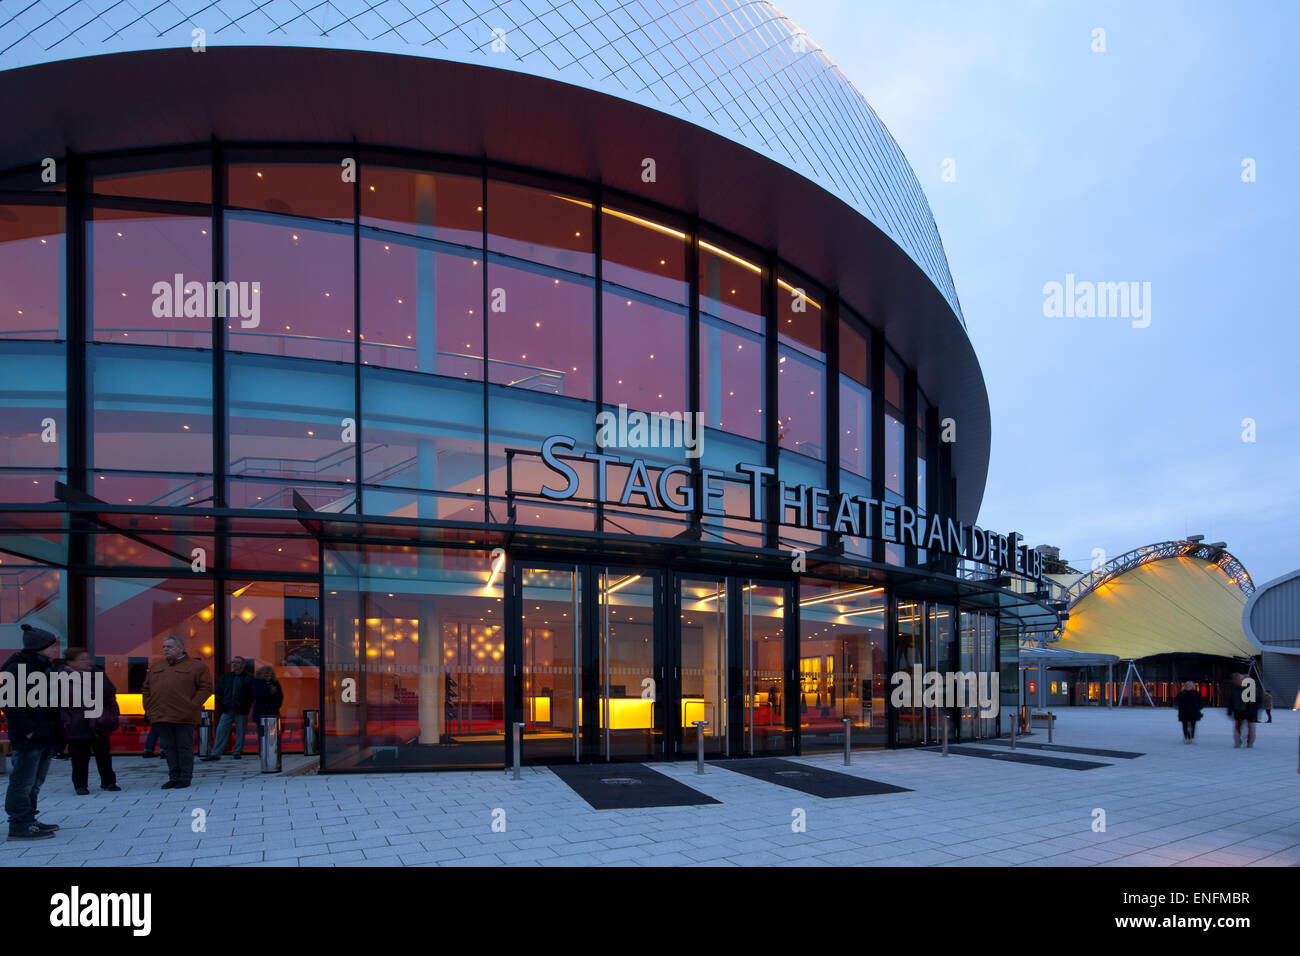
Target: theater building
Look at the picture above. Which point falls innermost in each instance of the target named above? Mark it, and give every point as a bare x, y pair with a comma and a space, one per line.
586, 366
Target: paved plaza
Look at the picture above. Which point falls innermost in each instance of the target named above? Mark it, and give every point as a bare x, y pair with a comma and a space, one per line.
1198, 805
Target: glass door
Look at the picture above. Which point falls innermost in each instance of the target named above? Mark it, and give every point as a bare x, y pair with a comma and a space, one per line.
701, 670
630, 664
551, 615
941, 648
764, 704
909, 659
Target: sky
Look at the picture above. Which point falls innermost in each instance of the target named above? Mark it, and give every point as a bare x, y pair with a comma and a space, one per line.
1122, 165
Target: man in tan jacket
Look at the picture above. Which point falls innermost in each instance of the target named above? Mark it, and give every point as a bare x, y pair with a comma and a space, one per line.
174, 692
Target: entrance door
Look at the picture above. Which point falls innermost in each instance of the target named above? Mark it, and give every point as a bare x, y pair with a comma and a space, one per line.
630, 664
766, 707
550, 600
701, 665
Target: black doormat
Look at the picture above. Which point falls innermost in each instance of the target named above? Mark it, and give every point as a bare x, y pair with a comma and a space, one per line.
1062, 749
1061, 763
627, 786
807, 779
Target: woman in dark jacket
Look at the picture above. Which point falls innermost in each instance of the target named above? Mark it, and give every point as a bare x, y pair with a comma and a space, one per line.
1189, 710
90, 735
267, 694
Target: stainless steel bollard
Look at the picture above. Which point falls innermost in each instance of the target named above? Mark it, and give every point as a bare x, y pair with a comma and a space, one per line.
945, 735
205, 734
848, 741
1015, 719
1051, 722
268, 744
519, 733
310, 733
699, 744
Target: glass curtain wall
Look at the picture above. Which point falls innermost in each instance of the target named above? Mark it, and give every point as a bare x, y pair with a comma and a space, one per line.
801, 393
855, 423
732, 376
541, 335
378, 333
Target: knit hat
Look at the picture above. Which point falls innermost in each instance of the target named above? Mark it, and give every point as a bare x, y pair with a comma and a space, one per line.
36, 639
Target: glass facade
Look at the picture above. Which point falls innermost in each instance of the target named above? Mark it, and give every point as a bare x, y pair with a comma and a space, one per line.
390, 353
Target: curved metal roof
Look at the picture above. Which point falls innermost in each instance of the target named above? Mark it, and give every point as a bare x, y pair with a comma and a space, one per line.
739, 68
1179, 604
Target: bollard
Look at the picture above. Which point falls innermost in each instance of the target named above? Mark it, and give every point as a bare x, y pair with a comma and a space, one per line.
1051, 722
1015, 719
699, 744
519, 732
310, 733
205, 734
848, 741
268, 744
945, 735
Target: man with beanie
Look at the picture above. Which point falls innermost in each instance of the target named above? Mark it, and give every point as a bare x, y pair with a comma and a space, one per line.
32, 734
174, 692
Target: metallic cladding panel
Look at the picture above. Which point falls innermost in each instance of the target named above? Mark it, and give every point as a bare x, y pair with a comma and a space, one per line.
739, 68
1272, 618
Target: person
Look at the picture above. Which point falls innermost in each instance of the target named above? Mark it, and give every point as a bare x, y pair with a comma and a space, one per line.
32, 737
90, 735
234, 697
1189, 710
1242, 710
1268, 705
174, 691
268, 695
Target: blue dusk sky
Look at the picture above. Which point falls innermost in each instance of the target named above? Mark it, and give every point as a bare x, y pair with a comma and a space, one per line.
1115, 166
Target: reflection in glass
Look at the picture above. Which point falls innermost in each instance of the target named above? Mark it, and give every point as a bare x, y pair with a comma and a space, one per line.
151, 411
645, 353
421, 307
541, 329
316, 191
731, 378
31, 272
32, 409
288, 432
305, 289
134, 258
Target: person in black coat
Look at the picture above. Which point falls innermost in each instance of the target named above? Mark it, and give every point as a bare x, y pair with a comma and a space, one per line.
234, 694
1243, 710
1189, 704
90, 735
268, 695
33, 735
